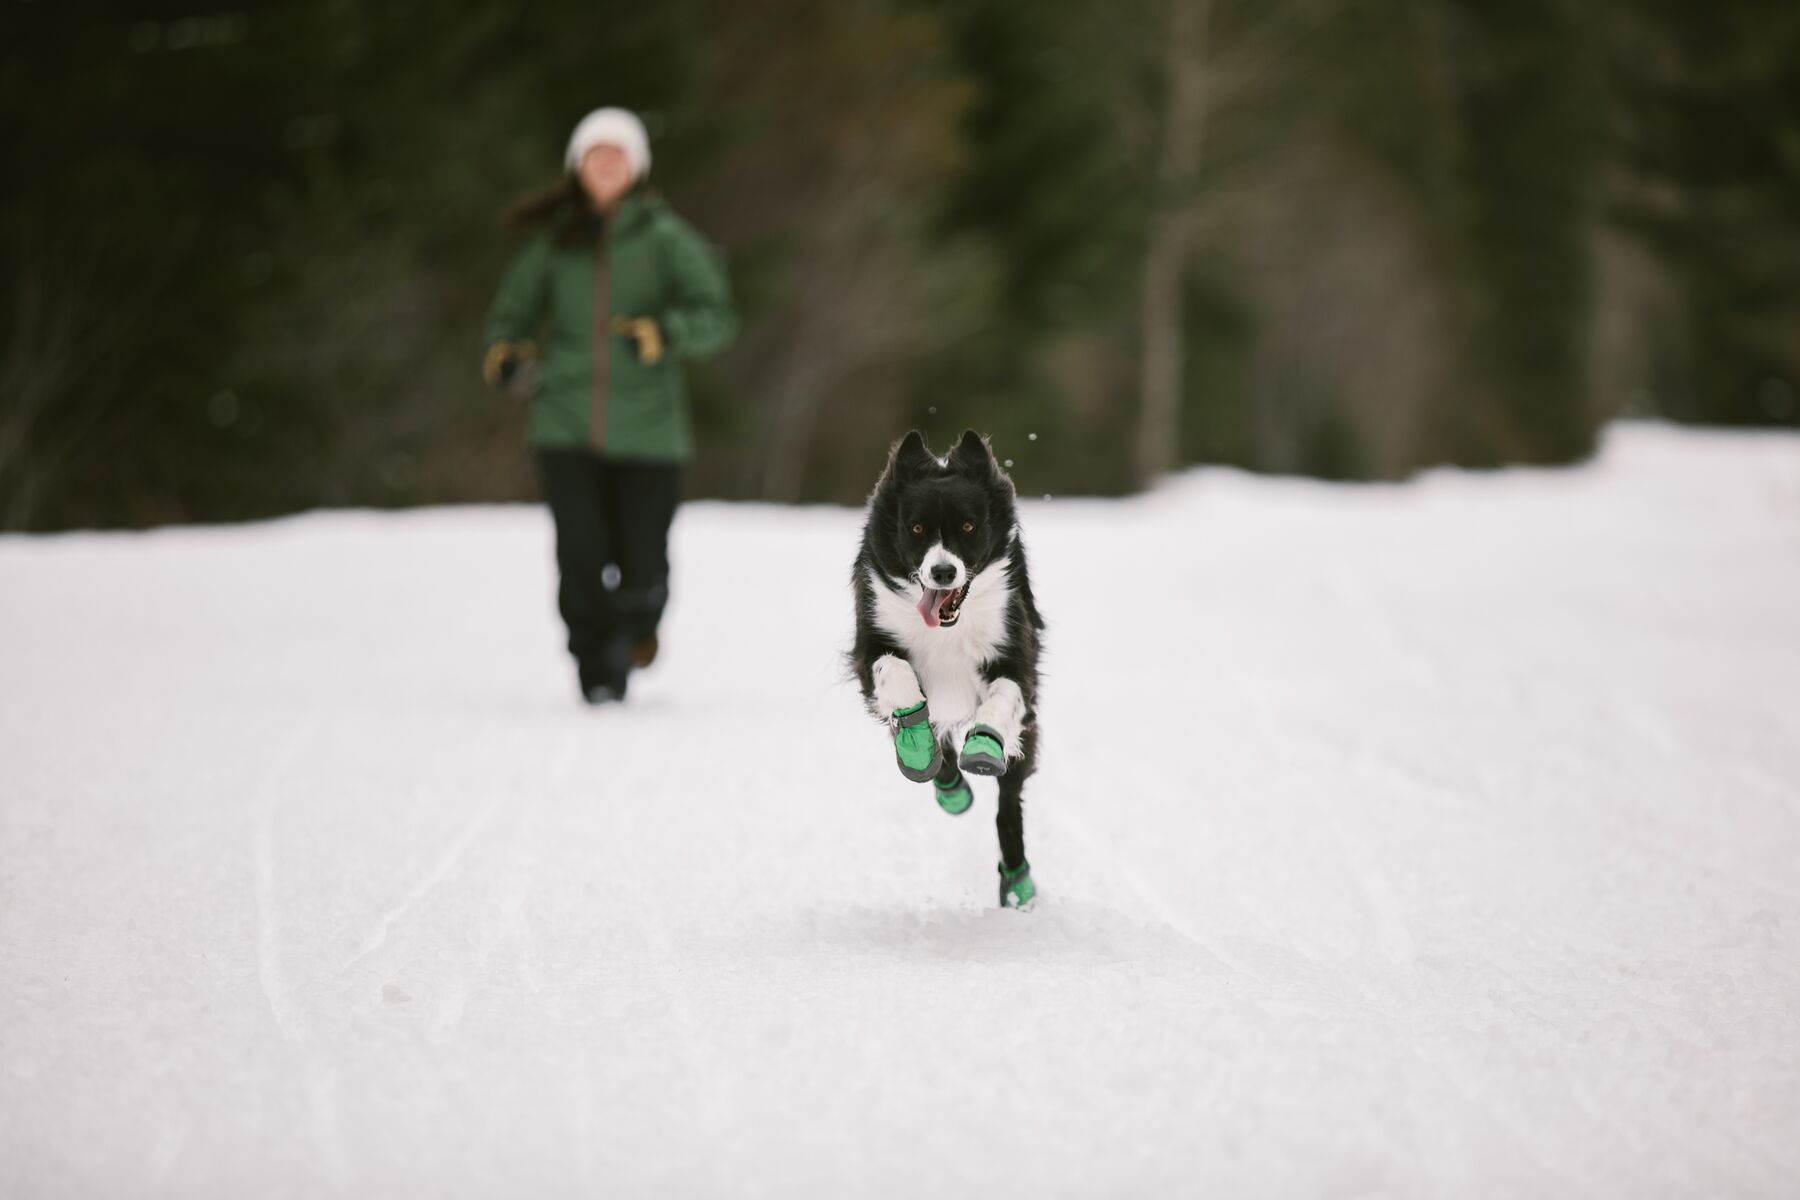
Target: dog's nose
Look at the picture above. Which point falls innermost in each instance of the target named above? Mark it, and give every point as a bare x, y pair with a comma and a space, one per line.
942, 574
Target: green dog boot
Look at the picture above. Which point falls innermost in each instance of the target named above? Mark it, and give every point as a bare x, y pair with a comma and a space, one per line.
1016, 888
915, 746
956, 796
982, 753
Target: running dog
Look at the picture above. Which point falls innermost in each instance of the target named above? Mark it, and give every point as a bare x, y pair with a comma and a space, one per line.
948, 633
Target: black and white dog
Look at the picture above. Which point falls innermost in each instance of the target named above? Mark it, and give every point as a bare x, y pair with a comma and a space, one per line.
947, 632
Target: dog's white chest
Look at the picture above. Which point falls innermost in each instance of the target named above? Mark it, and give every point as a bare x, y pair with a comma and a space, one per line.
948, 662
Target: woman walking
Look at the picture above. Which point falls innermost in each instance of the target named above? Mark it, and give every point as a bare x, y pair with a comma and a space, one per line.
611, 293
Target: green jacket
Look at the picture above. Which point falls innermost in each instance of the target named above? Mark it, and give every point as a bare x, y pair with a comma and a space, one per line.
591, 389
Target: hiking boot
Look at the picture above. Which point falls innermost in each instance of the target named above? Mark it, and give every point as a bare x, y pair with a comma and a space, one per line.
644, 653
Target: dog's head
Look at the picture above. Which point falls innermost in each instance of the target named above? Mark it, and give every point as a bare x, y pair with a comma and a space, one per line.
936, 523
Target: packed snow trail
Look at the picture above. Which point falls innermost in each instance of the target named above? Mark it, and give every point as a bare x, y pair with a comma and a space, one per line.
1424, 840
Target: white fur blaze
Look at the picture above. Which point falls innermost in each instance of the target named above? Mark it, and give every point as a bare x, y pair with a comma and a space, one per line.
939, 556
896, 687
1002, 709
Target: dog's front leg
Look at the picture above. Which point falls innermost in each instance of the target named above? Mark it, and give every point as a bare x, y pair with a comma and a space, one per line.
995, 738
896, 687
900, 700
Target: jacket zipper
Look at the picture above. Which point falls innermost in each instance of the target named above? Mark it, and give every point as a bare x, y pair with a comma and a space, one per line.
602, 335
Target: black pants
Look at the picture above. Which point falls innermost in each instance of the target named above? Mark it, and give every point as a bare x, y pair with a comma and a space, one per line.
609, 514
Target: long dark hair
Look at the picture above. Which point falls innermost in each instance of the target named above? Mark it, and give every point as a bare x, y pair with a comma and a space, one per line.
562, 207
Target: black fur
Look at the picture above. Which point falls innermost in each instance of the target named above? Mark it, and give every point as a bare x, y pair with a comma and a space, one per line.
969, 488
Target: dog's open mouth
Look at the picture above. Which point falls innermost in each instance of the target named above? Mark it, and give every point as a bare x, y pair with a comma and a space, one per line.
942, 607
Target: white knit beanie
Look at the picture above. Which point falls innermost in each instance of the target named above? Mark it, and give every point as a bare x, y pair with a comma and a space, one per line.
611, 127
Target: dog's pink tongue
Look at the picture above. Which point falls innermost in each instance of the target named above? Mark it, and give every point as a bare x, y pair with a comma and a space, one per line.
928, 606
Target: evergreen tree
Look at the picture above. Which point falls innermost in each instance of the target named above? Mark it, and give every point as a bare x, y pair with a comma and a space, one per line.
1708, 135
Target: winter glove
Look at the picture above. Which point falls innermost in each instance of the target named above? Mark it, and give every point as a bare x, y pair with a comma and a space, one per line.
646, 336
915, 746
504, 362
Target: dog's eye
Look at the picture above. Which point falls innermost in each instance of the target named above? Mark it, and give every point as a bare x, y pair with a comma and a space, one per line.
918, 529
968, 527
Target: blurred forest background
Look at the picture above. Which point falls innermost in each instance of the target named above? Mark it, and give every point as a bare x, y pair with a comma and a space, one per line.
248, 250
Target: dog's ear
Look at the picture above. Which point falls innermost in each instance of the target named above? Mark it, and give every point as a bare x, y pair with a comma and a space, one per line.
972, 456
910, 456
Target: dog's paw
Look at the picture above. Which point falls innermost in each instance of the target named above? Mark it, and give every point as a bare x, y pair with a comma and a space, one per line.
954, 798
983, 753
1016, 888
916, 749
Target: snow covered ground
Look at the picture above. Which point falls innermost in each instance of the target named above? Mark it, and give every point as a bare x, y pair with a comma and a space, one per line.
1430, 840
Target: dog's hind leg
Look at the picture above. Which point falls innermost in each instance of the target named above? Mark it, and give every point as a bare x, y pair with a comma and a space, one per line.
954, 795
1016, 887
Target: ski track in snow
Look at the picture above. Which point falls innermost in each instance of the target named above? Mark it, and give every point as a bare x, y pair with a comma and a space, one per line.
268, 930
446, 863
1449, 852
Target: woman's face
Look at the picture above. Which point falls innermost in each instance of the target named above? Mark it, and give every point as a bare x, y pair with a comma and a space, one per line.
605, 175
